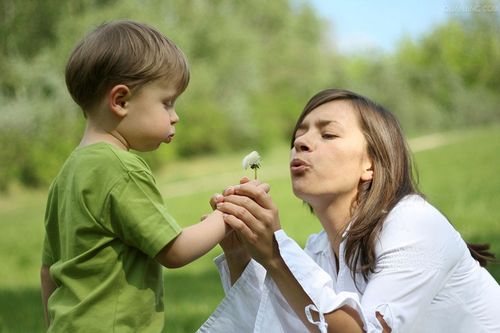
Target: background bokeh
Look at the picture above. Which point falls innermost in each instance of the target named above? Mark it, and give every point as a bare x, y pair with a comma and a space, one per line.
254, 64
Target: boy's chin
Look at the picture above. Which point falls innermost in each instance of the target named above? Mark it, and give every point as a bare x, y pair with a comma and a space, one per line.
145, 149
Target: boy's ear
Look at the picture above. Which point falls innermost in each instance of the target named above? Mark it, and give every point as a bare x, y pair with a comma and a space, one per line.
118, 98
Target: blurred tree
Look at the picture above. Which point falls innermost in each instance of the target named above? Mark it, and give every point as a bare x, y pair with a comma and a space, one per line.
253, 66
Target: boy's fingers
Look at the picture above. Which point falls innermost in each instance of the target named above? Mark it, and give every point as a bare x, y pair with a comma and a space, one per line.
244, 180
215, 199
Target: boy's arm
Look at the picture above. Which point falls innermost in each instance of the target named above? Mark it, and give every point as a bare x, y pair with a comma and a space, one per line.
194, 241
48, 287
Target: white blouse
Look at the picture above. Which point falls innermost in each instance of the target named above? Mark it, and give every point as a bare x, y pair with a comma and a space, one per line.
425, 281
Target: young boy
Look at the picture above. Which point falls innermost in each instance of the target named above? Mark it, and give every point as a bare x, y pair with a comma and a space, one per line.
107, 229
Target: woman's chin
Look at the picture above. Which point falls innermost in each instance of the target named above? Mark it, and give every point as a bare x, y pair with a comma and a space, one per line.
300, 192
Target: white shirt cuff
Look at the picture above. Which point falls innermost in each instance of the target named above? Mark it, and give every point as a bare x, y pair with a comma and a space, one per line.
317, 284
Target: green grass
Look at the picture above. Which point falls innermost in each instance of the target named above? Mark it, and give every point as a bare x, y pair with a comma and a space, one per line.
461, 178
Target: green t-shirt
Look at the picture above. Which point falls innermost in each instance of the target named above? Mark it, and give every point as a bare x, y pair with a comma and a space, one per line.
105, 221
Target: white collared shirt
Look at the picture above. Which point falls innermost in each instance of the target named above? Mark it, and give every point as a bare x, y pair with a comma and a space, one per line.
425, 280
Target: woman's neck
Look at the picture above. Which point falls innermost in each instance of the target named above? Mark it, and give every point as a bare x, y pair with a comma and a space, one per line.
335, 217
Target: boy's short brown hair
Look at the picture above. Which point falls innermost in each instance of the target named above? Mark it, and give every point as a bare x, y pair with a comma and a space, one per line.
122, 52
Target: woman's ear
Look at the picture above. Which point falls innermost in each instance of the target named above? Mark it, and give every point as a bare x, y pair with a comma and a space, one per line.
367, 173
118, 98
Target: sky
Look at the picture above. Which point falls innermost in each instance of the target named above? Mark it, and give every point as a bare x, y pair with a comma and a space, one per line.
358, 25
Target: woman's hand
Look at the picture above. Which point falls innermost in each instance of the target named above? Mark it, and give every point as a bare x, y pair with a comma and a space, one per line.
232, 244
250, 211
237, 256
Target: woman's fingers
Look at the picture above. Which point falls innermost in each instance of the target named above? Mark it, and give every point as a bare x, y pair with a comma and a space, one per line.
241, 213
257, 211
260, 244
257, 193
246, 182
240, 227
256, 182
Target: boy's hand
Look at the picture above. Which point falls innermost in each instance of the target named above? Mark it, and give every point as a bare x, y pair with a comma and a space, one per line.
214, 200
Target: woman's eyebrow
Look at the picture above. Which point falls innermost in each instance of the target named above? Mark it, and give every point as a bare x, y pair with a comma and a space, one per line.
319, 124
302, 126
323, 123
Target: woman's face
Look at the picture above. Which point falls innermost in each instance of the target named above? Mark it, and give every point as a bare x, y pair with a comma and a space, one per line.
329, 158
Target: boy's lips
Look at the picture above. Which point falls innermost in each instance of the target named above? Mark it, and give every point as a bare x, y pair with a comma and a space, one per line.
169, 138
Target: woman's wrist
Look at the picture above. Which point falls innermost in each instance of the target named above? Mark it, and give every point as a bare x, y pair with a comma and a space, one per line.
275, 265
237, 261
237, 255
274, 262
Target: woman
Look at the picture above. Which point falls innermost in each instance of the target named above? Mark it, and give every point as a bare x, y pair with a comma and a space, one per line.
386, 261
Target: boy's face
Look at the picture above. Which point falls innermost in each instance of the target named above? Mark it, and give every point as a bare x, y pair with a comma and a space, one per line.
150, 116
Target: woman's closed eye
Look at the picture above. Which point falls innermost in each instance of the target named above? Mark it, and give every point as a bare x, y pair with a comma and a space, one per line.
328, 136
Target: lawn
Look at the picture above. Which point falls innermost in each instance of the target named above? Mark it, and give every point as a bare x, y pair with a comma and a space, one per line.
460, 177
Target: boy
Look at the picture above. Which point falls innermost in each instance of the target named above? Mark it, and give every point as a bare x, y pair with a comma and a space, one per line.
107, 229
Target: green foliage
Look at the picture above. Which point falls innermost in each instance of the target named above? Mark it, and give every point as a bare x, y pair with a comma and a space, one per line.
254, 64
456, 69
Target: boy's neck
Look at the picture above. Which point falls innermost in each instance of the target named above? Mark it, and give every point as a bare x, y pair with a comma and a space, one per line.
95, 133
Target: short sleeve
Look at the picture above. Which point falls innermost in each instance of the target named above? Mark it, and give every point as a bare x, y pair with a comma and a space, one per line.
47, 257
138, 215
51, 233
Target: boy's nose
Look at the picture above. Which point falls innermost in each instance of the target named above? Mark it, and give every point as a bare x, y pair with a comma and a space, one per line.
174, 118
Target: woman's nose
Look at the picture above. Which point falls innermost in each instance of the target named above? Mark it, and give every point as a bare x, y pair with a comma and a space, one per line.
302, 144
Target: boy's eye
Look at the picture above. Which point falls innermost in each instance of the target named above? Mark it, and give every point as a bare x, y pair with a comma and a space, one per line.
168, 104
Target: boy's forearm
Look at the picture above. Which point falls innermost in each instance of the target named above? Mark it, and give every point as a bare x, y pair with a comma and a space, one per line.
48, 286
194, 241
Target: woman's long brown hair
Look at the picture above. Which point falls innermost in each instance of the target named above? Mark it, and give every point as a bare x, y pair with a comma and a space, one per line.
393, 178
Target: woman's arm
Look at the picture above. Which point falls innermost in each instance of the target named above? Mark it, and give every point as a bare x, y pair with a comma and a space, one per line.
344, 319
253, 215
48, 287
